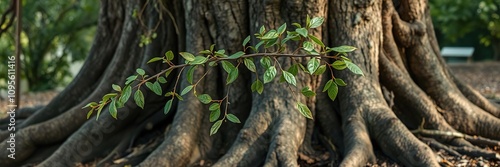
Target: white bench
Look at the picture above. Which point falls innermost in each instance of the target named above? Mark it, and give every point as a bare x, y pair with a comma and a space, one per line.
457, 54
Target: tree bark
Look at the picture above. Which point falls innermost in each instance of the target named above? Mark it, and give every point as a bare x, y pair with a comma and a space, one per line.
406, 87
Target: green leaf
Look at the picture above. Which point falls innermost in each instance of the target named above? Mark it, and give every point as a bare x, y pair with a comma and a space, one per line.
221, 53
157, 88
150, 85
154, 59
190, 74
316, 22
205, 98
270, 35
168, 106
271, 42
307, 46
265, 62
340, 82
139, 98
99, 112
339, 65
316, 40
308, 21
245, 42
187, 56
91, 105
215, 127
354, 68
237, 55
169, 55
249, 64
167, 73
214, 115
262, 29
343, 49
169, 94
231, 77
140, 71
90, 113
289, 78
321, 69
294, 69
131, 79
214, 106
269, 74
307, 92
178, 96
258, 45
297, 25
186, 90
205, 52
116, 87
233, 118
162, 79
257, 86
212, 47
127, 91
227, 66
199, 60
282, 29
312, 65
108, 96
301, 31
304, 110
333, 90
112, 109
328, 85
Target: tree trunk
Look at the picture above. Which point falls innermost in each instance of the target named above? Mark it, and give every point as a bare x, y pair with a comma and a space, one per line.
406, 88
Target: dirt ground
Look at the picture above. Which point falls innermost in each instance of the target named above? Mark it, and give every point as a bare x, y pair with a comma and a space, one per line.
483, 76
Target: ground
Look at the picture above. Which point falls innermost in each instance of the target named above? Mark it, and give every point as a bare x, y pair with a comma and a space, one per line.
483, 76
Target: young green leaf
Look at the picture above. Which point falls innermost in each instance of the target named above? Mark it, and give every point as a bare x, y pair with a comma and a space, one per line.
249, 64
116, 88
340, 82
162, 79
127, 91
199, 60
157, 88
214, 115
312, 65
245, 42
91, 105
178, 96
167, 107
354, 68
289, 78
186, 90
321, 69
297, 25
130, 79
307, 46
328, 85
214, 106
190, 74
108, 96
112, 109
90, 113
140, 71
205, 98
169, 55
343, 49
269, 74
333, 90
262, 30
237, 55
221, 53
150, 86
339, 65
154, 59
205, 52
270, 35
265, 62
316, 40
307, 92
308, 21
212, 47
187, 56
282, 29
301, 31
227, 66
233, 118
316, 22
139, 98
231, 77
99, 109
304, 110
257, 86
215, 127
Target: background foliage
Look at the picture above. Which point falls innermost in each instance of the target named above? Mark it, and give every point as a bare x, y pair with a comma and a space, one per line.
55, 34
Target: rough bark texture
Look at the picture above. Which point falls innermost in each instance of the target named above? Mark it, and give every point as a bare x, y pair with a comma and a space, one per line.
406, 83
